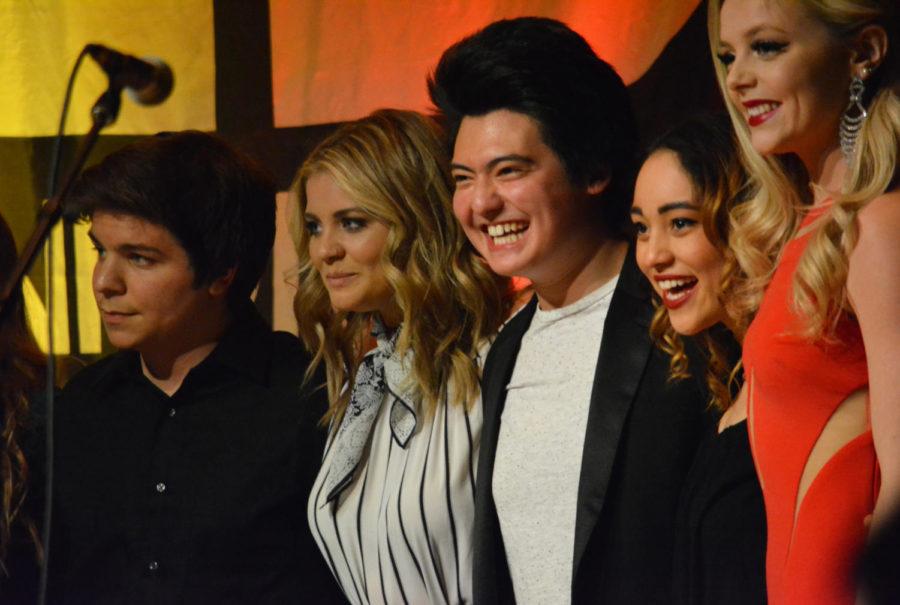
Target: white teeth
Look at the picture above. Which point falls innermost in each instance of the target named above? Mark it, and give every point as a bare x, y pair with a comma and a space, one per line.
759, 110
668, 284
507, 239
499, 230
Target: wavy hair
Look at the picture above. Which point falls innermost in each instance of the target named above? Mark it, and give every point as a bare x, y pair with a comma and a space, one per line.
21, 374
707, 152
393, 164
762, 226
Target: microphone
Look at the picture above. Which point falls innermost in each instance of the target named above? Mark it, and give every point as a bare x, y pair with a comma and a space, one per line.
149, 81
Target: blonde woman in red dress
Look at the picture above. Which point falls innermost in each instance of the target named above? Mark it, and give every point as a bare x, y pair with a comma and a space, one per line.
818, 80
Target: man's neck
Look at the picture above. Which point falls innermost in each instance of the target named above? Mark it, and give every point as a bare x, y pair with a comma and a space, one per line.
584, 277
167, 367
168, 374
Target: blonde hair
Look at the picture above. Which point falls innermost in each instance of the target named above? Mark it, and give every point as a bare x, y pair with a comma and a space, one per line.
762, 226
707, 153
394, 166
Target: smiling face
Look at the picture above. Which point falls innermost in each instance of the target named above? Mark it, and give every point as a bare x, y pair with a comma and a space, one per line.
515, 201
144, 286
345, 247
786, 74
672, 248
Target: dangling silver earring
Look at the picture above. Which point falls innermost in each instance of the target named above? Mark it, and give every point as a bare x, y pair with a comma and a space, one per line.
853, 117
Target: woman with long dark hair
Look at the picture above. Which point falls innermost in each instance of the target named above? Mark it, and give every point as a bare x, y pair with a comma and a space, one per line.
22, 367
689, 183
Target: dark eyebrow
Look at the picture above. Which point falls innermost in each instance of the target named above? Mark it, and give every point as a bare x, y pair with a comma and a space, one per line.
678, 206
455, 166
637, 211
138, 249
127, 248
512, 157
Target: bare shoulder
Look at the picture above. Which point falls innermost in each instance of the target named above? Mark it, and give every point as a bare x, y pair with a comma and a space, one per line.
879, 228
873, 279
881, 216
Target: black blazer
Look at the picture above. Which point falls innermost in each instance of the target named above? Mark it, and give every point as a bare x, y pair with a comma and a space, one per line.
642, 432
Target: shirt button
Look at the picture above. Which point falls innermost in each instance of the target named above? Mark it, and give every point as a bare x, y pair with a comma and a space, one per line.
153, 565
172, 413
160, 487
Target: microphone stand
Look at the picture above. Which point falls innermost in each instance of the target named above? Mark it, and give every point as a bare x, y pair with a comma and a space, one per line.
104, 112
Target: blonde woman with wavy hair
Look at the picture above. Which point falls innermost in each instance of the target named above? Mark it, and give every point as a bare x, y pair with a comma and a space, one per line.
382, 256
819, 80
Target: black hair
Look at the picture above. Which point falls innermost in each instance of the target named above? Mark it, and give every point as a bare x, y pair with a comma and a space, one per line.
708, 152
541, 68
216, 202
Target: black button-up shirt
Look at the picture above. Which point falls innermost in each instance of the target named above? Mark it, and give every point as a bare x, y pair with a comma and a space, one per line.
195, 498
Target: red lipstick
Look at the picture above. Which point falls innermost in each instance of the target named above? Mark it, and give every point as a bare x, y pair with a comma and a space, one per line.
760, 110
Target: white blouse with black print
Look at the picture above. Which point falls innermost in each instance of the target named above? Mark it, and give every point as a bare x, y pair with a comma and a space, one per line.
401, 531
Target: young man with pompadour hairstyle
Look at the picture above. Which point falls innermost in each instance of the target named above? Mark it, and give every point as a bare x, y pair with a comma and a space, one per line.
585, 441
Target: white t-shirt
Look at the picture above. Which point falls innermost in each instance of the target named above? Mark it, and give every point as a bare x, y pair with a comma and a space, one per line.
539, 450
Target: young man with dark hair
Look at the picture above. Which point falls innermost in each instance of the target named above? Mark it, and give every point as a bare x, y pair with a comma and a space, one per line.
183, 462
585, 440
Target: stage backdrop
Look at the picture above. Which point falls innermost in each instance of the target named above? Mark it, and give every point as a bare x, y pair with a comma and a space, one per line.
274, 78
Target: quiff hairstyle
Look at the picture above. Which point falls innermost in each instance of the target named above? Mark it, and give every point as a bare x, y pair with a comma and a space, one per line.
543, 69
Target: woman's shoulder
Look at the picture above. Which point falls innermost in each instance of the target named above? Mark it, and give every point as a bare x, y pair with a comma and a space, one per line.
881, 214
879, 225
873, 279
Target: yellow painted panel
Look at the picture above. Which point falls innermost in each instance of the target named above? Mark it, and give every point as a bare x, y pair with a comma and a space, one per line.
56, 273
88, 315
35, 308
40, 40
35, 314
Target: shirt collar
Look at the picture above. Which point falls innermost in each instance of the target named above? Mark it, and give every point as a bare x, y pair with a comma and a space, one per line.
243, 348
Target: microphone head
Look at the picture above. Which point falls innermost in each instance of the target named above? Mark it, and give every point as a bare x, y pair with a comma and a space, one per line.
158, 88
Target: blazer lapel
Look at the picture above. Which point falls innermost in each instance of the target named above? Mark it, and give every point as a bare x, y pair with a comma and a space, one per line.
497, 371
491, 580
623, 357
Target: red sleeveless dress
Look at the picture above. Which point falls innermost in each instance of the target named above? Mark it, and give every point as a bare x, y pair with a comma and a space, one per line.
795, 385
